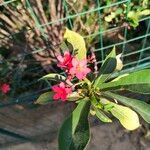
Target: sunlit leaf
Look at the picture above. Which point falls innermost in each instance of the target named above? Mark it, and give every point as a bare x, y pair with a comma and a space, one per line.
119, 62
139, 106
77, 42
54, 76
145, 3
133, 18
127, 117
119, 77
110, 17
145, 12
73, 96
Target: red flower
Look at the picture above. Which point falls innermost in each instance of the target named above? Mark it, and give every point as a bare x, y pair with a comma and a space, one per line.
65, 61
5, 88
61, 91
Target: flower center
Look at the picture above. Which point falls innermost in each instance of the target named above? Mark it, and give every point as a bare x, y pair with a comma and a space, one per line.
79, 68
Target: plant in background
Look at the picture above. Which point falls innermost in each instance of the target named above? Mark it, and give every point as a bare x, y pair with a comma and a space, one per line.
4, 73
94, 93
5, 88
21, 30
128, 12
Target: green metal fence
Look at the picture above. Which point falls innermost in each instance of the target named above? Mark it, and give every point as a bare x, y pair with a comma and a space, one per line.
134, 44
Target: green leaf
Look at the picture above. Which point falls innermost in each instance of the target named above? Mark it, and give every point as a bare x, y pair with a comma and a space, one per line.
139, 106
94, 101
53, 76
45, 98
137, 82
127, 117
74, 133
102, 116
56, 77
119, 11
108, 66
133, 18
77, 42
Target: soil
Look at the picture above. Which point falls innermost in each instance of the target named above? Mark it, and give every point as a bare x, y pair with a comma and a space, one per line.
103, 137
42, 124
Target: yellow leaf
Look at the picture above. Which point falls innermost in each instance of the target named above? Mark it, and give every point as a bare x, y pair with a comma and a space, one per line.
145, 12
113, 15
71, 1
127, 117
92, 112
119, 62
77, 42
73, 96
108, 18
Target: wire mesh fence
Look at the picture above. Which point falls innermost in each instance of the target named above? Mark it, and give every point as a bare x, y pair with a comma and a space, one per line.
35, 28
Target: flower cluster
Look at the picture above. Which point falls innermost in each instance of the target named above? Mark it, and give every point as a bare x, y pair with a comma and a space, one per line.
5, 88
74, 68
61, 91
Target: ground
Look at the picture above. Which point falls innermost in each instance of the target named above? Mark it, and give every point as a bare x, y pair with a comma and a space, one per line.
103, 137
